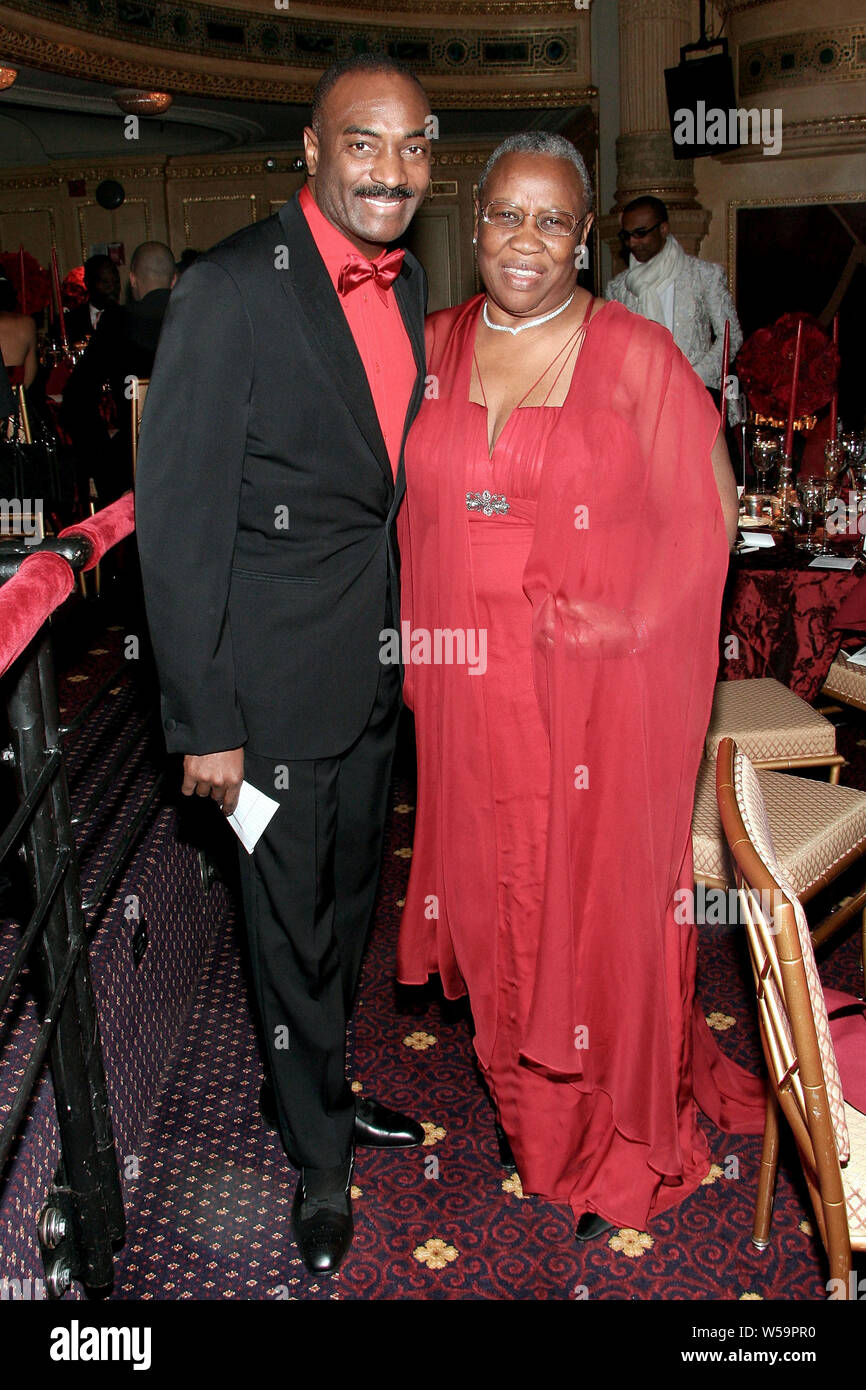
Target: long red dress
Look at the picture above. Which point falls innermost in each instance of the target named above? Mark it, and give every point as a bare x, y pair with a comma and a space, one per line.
556, 778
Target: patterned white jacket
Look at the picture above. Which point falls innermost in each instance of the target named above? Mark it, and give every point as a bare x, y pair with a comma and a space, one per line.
702, 302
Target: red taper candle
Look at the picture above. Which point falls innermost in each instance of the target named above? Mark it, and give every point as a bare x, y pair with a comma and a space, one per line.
61, 317
22, 306
834, 399
725, 350
795, 382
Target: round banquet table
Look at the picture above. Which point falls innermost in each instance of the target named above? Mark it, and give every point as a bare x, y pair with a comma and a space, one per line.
781, 613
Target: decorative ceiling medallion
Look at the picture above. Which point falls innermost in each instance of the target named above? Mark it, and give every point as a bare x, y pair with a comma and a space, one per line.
135, 103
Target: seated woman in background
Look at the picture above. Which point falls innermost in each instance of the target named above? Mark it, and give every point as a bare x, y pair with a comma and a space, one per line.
17, 338
546, 522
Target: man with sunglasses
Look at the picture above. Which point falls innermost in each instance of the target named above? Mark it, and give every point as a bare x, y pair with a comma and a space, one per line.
690, 297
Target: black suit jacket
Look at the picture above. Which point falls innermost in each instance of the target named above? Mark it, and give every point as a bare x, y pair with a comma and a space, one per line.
123, 345
79, 325
265, 501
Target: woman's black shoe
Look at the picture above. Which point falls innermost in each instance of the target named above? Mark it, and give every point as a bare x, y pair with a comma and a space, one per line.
590, 1225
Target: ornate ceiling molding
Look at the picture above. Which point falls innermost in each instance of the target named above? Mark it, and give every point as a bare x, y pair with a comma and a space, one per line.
40, 52
836, 54
502, 8
643, 11
73, 60
284, 37
183, 168
828, 135
57, 177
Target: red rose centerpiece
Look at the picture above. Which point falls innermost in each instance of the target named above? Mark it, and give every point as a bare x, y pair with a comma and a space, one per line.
765, 366
35, 291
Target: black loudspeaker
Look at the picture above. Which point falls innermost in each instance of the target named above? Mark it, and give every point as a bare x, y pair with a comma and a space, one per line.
110, 194
702, 106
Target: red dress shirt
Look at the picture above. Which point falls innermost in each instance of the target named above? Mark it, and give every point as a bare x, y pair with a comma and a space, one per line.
377, 328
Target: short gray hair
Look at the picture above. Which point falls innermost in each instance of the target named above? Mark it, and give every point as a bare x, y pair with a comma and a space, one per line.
540, 142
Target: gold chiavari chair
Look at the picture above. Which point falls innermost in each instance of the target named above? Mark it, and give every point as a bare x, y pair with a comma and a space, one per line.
830, 1135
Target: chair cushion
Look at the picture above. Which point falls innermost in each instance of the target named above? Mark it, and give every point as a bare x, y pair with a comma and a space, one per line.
848, 1030
813, 823
768, 722
846, 680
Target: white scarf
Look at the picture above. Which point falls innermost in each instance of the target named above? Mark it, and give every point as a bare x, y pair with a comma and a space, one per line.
649, 279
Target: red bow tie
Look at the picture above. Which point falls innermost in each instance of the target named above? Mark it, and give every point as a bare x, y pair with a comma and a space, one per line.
383, 273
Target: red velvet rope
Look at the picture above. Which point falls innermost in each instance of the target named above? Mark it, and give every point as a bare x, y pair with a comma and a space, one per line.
45, 580
106, 528
42, 583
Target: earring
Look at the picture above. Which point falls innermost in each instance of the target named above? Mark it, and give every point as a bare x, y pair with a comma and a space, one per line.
475, 241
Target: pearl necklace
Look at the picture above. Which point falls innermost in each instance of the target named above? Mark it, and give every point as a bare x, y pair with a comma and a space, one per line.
533, 323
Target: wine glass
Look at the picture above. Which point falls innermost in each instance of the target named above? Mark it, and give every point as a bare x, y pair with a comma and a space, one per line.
854, 449
813, 503
834, 466
765, 451
834, 461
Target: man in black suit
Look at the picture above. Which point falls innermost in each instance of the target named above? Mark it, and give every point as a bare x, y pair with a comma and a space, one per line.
102, 282
122, 347
270, 472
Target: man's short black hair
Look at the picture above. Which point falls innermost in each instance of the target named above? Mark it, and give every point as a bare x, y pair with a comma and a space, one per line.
94, 267
656, 206
360, 62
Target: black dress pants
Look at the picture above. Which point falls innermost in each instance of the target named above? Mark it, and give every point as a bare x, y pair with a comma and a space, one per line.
309, 890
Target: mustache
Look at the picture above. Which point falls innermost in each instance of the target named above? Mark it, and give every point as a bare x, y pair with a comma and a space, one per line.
378, 190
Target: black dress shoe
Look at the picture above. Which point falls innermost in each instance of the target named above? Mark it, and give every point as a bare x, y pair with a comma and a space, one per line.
323, 1227
591, 1225
377, 1127
506, 1157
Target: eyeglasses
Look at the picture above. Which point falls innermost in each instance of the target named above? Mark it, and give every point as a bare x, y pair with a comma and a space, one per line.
639, 233
505, 217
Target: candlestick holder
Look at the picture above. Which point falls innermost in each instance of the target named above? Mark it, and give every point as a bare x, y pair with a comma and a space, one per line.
786, 494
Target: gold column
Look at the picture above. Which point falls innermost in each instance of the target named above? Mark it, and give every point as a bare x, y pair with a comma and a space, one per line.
651, 33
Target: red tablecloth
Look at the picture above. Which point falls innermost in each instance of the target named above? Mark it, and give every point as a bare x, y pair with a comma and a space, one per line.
782, 623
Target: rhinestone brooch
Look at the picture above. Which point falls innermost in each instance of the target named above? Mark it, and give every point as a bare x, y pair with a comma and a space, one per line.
487, 502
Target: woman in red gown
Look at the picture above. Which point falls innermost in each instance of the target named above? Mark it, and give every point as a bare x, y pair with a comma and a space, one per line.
563, 533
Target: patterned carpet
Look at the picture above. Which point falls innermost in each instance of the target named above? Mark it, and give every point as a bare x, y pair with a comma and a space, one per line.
445, 1221
209, 1197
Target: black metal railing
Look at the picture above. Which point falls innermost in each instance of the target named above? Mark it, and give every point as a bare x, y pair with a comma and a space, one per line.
82, 1220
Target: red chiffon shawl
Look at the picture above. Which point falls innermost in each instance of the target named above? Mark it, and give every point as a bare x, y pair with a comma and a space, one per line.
625, 579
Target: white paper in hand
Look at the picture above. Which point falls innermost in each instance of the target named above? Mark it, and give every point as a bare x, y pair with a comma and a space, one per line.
251, 816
